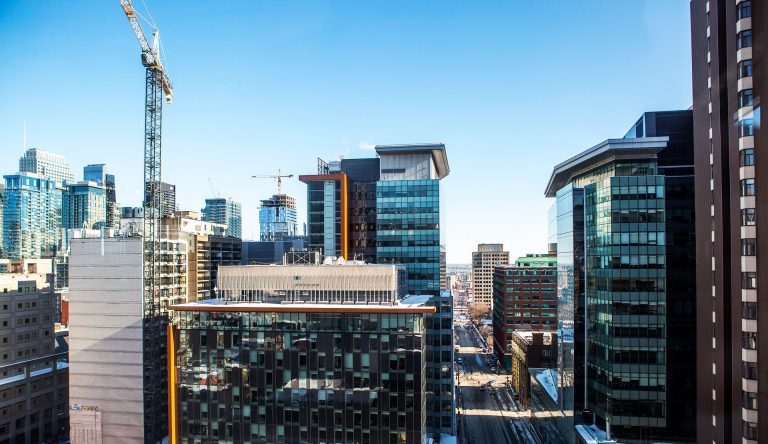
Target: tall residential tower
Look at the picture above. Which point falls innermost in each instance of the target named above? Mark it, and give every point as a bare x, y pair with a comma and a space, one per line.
227, 212
730, 73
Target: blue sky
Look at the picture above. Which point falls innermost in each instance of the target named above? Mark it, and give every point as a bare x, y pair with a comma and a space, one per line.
511, 87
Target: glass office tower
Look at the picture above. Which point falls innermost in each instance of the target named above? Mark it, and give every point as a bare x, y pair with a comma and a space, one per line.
409, 231
634, 303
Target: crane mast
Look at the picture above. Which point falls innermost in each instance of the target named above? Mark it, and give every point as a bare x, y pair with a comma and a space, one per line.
154, 313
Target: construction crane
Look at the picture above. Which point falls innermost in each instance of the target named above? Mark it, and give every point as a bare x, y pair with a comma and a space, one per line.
157, 84
279, 176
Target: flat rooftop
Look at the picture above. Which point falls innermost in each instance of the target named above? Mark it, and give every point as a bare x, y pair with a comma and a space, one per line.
407, 305
527, 336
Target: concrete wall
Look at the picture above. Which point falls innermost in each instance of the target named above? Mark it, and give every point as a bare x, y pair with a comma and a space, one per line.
105, 337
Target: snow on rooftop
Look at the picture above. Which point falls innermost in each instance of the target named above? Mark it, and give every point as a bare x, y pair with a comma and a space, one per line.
547, 378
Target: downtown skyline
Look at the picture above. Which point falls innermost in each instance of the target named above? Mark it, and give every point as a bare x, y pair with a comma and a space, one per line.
254, 82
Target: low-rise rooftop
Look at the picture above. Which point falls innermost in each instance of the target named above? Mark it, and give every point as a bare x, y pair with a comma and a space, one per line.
409, 304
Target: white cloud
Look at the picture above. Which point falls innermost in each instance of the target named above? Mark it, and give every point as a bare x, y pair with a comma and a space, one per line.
366, 146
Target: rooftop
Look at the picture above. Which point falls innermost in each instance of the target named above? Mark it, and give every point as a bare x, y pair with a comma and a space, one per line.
409, 304
527, 336
437, 150
605, 152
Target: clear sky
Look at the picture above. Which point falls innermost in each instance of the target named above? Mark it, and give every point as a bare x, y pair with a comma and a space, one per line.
511, 87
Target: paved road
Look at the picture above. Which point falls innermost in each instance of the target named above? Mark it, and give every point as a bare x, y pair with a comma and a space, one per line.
490, 414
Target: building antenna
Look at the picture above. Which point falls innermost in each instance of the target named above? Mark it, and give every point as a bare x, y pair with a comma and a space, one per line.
24, 132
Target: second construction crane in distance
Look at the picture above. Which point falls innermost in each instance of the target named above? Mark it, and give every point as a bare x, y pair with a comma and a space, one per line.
279, 176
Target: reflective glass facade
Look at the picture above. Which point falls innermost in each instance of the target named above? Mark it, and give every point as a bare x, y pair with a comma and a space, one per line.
626, 300
31, 217
265, 377
569, 222
227, 212
626, 283
84, 206
409, 232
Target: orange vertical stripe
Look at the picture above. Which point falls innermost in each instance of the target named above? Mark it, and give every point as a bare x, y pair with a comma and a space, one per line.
172, 438
344, 218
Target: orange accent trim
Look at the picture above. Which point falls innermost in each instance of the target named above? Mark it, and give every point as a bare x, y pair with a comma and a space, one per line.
172, 422
320, 177
344, 218
298, 308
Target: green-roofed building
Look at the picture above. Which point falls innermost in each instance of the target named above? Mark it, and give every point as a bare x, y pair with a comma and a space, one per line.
536, 260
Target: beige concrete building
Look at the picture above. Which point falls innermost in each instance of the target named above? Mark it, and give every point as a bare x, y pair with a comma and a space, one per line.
484, 259
107, 353
33, 367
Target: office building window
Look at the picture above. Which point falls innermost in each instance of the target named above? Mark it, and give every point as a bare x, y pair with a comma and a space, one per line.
749, 247
748, 187
745, 68
749, 370
745, 98
745, 127
744, 9
748, 216
747, 157
749, 430
749, 340
744, 39
749, 280
749, 400
749, 310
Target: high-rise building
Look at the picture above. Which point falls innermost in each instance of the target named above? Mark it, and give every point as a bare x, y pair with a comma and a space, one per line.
405, 225
341, 208
410, 231
730, 73
524, 298
342, 362
167, 199
84, 206
484, 259
49, 165
277, 218
98, 173
226, 212
31, 217
637, 308
112, 396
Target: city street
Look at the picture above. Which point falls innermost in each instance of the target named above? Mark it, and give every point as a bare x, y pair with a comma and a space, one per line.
488, 412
